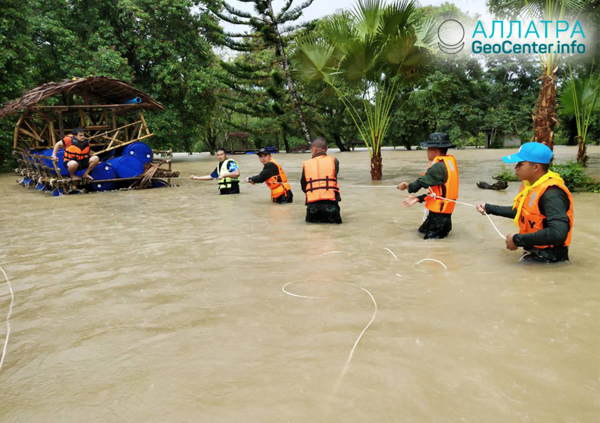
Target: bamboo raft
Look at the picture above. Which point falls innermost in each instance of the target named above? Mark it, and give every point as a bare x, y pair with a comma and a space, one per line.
109, 111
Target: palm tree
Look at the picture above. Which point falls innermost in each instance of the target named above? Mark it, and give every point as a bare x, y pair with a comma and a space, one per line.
580, 99
377, 48
544, 120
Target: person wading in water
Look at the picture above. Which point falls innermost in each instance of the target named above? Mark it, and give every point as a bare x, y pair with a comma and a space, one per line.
274, 177
543, 209
442, 181
227, 173
320, 184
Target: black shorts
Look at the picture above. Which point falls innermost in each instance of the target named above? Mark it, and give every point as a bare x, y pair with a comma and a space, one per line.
83, 164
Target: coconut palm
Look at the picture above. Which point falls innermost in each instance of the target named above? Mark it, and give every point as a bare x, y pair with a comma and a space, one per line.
377, 48
544, 120
580, 99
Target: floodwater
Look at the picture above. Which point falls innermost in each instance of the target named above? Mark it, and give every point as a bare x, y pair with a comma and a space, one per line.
167, 305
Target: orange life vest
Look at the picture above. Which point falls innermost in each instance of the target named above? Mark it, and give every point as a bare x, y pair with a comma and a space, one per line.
321, 183
448, 190
75, 150
278, 184
532, 220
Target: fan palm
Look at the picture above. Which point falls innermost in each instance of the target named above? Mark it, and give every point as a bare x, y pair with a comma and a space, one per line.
376, 48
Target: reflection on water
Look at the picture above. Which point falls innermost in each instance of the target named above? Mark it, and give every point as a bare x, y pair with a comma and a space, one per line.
167, 305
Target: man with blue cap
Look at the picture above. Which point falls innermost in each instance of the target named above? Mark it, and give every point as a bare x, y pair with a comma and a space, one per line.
543, 209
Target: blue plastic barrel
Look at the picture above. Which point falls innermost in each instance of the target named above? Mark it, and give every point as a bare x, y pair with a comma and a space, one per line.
47, 162
101, 172
135, 100
140, 150
159, 183
127, 166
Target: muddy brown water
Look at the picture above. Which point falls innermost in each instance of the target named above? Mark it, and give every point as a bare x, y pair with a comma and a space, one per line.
166, 305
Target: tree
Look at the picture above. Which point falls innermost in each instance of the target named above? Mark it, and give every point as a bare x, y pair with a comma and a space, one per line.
18, 54
270, 31
579, 100
378, 48
545, 119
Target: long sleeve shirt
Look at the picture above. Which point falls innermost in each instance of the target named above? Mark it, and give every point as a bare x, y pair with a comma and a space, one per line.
554, 204
268, 171
437, 174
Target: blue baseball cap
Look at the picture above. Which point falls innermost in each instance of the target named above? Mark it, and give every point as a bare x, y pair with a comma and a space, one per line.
534, 152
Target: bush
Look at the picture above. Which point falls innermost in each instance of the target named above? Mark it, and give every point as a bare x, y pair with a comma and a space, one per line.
506, 175
575, 178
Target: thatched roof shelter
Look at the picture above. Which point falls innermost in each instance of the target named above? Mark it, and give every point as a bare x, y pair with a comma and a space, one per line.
97, 90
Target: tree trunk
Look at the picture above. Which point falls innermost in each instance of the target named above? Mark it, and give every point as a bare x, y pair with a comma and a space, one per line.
285, 142
211, 140
338, 141
572, 132
545, 120
581, 151
286, 70
376, 166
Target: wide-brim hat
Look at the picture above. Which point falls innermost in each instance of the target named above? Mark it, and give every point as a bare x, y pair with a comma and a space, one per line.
438, 140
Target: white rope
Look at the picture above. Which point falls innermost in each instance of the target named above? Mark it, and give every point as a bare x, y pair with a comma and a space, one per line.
347, 365
372, 186
391, 252
470, 205
430, 259
12, 300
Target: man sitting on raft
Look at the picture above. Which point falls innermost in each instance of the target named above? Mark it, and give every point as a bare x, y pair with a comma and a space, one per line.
78, 155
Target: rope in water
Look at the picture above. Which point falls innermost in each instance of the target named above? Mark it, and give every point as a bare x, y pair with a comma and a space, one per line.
12, 300
471, 205
434, 196
347, 365
430, 259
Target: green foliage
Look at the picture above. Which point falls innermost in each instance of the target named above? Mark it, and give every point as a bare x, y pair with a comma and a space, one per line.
506, 174
575, 177
378, 48
161, 46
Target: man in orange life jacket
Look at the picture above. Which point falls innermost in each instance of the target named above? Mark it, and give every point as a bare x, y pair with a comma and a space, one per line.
274, 177
319, 183
78, 155
442, 181
543, 209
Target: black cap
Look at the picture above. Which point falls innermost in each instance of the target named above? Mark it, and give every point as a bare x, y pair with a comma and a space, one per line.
263, 151
438, 140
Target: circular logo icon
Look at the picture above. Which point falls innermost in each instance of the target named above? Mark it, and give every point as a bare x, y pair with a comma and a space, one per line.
451, 34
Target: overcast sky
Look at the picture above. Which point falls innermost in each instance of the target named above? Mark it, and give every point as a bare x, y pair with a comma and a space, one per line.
321, 8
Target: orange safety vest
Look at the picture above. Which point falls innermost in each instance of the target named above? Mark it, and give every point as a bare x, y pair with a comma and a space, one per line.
75, 150
278, 184
448, 190
532, 220
321, 183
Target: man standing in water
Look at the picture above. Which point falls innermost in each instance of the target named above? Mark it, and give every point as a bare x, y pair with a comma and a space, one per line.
543, 209
319, 183
227, 173
274, 177
442, 181
78, 155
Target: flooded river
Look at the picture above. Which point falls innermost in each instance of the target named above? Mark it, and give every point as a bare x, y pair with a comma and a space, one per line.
167, 305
